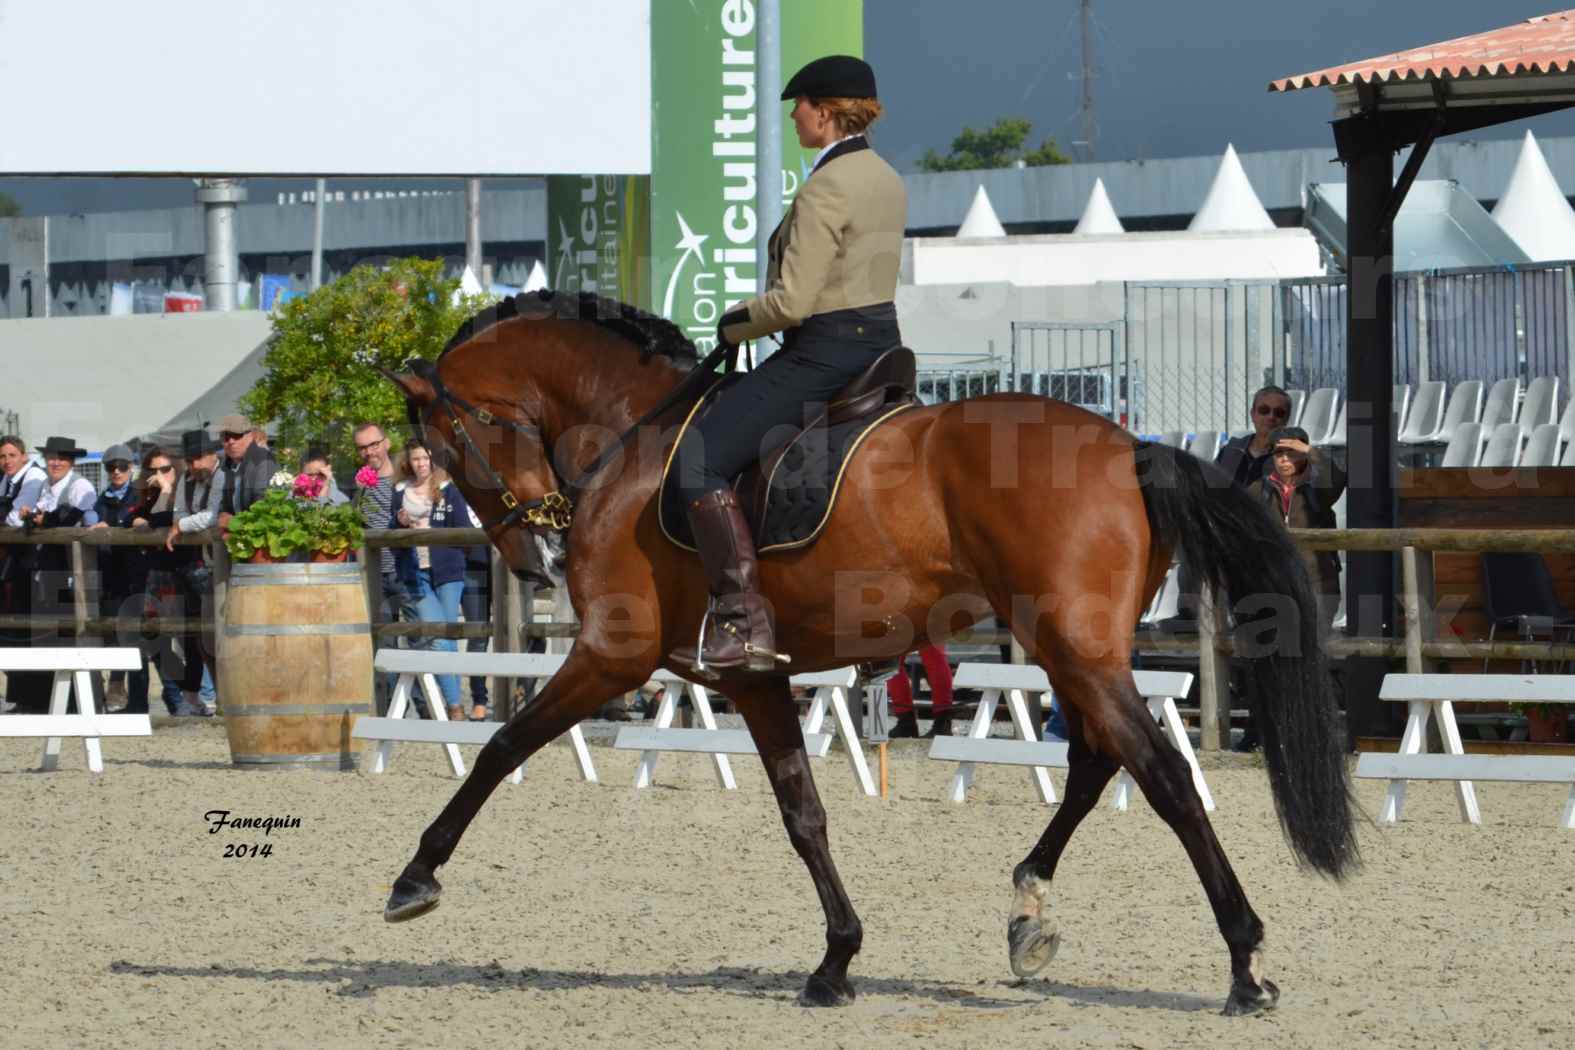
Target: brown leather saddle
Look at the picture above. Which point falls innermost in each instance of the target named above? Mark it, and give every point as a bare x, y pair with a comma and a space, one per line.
788, 495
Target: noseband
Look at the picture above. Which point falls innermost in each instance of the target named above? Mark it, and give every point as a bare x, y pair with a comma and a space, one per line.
554, 510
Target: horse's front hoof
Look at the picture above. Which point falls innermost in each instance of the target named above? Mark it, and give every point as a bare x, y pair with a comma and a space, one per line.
822, 991
1246, 1000
1030, 945
414, 895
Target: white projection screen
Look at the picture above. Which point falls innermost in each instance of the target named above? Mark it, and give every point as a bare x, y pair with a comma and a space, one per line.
326, 87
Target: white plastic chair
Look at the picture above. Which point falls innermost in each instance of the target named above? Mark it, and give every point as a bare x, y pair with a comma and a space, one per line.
1174, 438
1206, 445
1543, 448
1567, 423
1465, 406
1336, 438
1167, 601
1502, 401
1424, 423
1298, 403
1541, 404
1318, 415
1503, 447
1465, 446
1402, 406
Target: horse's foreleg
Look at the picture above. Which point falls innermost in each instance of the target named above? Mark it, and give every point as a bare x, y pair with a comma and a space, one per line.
1032, 936
571, 696
772, 717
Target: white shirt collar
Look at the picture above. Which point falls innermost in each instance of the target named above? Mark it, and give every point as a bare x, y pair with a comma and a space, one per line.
827, 149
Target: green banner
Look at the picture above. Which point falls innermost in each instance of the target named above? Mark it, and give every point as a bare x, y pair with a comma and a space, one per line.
704, 158
598, 236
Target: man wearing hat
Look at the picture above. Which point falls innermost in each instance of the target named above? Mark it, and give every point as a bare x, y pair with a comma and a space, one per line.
123, 571
830, 286
246, 468
67, 497
196, 510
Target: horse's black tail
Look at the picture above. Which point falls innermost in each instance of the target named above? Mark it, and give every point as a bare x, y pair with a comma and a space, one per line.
1234, 544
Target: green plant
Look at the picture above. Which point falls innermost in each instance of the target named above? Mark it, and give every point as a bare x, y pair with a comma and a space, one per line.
320, 378
334, 529
288, 519
276, 524
1001, 145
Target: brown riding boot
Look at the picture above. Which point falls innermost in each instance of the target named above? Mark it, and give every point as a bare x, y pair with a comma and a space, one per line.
739, 632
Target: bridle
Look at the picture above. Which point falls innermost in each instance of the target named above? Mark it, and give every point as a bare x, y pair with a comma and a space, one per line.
554, 509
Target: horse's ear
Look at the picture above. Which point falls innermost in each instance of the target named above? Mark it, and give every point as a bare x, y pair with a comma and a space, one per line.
414, 387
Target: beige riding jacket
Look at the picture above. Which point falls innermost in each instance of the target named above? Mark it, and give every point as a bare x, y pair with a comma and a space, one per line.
839, 245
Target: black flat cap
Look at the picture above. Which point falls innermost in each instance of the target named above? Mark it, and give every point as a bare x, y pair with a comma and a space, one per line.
835, 76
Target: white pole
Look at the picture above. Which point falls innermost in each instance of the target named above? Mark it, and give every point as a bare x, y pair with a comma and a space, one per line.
473, 226
769, 186
317, 235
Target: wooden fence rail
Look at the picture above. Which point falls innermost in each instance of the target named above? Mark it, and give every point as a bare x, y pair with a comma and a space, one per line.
511, 624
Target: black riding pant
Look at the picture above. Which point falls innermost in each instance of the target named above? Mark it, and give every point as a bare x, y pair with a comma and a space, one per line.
789, 389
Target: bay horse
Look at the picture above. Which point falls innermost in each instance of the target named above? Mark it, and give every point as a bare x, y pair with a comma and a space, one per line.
1052, 518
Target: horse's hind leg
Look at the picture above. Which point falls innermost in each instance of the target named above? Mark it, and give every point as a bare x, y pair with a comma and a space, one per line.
768, 709
570, 696
1031, 934
1118, 727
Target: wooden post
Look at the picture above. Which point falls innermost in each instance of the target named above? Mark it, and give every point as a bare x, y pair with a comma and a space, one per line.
1213, 675
221, 589
881, 747
79, 592
497, 685
1416, 569
372, 580
515, 617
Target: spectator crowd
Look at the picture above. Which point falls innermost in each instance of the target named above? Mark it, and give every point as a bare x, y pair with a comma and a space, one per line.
195, 489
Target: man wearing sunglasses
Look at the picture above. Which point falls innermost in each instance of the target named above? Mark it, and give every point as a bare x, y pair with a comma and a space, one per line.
245, 469
1246, 458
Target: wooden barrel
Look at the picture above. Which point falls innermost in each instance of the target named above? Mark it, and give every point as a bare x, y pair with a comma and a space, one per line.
295, 665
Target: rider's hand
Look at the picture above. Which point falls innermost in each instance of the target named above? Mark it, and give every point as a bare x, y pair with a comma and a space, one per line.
735, 319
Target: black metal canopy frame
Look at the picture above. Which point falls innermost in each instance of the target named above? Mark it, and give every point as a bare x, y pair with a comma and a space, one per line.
1367, 141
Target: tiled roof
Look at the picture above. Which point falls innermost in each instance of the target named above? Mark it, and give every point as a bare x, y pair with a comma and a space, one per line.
1545, 44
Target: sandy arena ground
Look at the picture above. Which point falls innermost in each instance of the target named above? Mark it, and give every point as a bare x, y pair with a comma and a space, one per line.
593, 915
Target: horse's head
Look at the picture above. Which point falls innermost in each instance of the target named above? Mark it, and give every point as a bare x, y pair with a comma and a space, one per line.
497, 456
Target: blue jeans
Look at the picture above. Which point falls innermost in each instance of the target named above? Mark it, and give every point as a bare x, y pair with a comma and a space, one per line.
174, 698
440, 604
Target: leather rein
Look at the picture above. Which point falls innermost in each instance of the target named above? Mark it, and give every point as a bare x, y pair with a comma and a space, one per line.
554, 510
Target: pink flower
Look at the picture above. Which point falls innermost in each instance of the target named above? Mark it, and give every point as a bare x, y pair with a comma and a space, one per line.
367, 477
307, 487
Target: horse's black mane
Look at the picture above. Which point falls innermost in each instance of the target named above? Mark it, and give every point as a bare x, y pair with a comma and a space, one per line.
649, 333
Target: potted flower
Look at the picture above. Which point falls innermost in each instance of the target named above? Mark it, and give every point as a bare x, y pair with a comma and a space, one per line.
288, 520
1545, 723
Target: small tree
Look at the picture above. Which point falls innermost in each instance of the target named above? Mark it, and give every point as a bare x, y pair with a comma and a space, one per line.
320, 379
998, 146
9, 208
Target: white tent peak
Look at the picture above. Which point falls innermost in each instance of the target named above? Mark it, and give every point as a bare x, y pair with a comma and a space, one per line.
980, 220
1098, 215
1533, 210
1231, 203
538, 277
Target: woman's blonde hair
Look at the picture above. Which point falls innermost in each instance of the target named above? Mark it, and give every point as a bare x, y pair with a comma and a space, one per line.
435, 480
852, 115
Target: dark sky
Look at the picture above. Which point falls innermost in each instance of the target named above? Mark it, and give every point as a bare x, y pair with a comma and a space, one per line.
1174, 78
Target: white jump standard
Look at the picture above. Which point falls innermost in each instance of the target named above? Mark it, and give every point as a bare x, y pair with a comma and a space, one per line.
1431, 696
424, 665
73, 668
1159, 690
831, 695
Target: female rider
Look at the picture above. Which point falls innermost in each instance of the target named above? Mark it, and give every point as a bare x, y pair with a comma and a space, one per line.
830, 283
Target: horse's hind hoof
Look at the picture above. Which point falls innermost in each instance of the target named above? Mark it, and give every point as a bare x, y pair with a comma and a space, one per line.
1030, 945
413, 897
1246, 1000
822, 991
